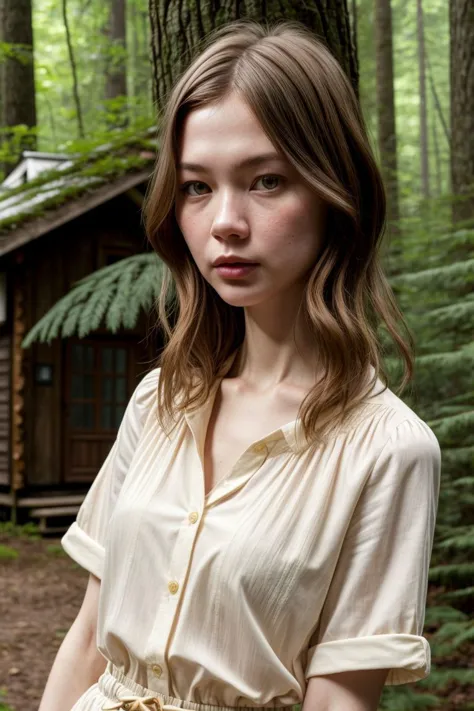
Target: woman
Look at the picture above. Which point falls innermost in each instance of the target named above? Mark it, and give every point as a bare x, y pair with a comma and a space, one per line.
261, 530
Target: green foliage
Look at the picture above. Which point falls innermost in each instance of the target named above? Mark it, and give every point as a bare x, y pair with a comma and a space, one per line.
56, 550
7, 553
405, 56
93, 164
114, 296
13, 530
4, 707
95, 54
19, 52
434, 285
402, 698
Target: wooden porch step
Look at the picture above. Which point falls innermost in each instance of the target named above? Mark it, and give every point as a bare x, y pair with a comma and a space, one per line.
55, 511
59, 500
47, 512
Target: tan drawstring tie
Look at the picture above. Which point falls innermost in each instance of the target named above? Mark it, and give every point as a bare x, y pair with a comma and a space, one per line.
141, 703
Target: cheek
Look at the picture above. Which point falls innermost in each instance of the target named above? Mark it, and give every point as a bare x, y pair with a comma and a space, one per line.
191, 228
293, 229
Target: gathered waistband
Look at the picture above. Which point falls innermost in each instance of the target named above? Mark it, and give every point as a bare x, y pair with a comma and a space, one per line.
125, 694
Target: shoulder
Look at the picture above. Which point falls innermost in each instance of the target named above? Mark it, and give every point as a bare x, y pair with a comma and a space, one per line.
404, 449
391, 429
147, 385
144, 397
409, 440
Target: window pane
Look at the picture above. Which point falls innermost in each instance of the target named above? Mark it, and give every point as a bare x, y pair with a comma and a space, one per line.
89, 416
82, 415
121, 360
119, 412
77, 414
82, 386
120, 389
106, 417
107, 389
88, 358
77, 354
107, 359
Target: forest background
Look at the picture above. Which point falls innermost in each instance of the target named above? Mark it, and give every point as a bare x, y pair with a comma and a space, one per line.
94, 81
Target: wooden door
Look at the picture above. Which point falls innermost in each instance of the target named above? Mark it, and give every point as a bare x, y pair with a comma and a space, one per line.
98, 384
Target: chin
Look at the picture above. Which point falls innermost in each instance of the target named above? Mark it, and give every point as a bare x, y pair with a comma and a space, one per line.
241, 296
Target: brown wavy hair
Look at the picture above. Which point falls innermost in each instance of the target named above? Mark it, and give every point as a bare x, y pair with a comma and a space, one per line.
307, 107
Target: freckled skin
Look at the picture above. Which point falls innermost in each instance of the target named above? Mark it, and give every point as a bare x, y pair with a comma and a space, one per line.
229, 209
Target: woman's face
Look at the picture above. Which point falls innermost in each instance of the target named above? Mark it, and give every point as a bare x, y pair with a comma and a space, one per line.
237, 196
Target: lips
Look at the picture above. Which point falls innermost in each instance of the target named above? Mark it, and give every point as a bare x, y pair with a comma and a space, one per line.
222, 261
233, 263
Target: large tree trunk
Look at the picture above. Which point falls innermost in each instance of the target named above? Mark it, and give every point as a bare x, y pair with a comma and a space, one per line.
461, 14
177, 27
425, 175
387, 138
17, 82
72, 61
116, 79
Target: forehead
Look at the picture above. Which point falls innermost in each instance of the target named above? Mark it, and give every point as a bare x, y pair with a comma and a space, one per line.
226, 129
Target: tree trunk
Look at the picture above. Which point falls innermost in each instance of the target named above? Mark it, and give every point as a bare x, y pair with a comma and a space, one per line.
425, 175
177, 27
387, 137
116, 79
17, 81
75, 83
461, 15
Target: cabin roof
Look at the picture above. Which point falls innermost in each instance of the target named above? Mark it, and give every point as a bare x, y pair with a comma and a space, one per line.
47, 190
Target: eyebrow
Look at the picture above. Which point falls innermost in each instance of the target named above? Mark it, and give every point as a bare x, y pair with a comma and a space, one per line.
246, 163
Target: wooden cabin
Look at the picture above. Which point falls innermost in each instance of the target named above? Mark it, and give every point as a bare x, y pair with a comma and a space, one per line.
61, 404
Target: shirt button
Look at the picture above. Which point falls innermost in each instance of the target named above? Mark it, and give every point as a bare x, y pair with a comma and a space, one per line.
193, 517
157, 670
259, 447
173, 587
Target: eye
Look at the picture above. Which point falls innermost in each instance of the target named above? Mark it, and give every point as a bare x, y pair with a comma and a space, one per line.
269, 182
197, 185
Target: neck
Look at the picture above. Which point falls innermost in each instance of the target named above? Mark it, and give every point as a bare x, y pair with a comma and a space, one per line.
278, 346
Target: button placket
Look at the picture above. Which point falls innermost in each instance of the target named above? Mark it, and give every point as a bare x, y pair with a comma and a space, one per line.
248, 465
176, 574
178, 567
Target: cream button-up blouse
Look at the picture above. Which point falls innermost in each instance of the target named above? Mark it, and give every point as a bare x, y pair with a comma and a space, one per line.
295, 565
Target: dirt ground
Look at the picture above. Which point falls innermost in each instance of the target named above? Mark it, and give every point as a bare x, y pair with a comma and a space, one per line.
41, 592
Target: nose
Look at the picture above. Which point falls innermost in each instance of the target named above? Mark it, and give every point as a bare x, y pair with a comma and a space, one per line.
230, 219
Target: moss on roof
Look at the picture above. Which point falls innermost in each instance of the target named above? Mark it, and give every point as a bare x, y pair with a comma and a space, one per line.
125, 153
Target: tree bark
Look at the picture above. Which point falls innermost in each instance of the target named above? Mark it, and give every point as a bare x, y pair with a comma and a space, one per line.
75, 85
461, 15
116, 79
177, 28
387, 137
17, 81
425, 174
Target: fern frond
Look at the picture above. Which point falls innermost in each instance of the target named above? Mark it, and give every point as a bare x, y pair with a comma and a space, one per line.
115, 293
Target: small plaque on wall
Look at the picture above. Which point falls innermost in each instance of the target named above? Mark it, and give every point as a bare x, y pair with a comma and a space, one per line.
44, 374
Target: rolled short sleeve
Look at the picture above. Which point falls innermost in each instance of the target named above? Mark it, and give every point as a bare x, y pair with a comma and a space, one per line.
374, 611
85, 539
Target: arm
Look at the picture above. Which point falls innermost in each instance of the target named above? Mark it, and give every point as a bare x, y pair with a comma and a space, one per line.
78, 663
373, 615
345, 691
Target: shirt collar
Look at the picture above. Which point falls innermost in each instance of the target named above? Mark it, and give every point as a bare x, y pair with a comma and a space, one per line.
292, 432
